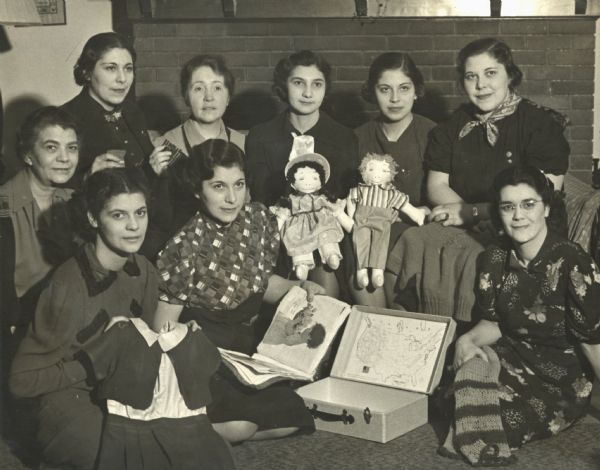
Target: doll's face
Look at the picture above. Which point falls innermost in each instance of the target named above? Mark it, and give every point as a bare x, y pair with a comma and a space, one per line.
377, 172
306, 180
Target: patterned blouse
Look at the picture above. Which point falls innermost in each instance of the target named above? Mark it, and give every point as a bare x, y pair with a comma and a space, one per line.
211, 266
555, 297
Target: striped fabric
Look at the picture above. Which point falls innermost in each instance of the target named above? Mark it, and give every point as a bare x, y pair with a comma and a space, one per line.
479, 434
383, 196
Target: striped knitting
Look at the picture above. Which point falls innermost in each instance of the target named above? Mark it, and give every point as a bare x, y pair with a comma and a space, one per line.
479, 434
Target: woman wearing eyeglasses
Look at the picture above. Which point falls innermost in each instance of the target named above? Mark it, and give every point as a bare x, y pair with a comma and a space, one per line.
523, 372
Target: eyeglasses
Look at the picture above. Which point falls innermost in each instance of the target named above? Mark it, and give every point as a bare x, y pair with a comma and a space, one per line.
526, 205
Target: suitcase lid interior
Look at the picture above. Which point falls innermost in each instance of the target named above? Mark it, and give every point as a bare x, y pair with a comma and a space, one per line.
394, 348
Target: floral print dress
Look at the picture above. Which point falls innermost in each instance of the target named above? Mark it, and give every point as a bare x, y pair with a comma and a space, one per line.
544, 311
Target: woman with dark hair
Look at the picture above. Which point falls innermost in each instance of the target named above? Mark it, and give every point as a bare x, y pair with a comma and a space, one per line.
521, 370
36, 229
106, 278
497, 129
302, 81
113, 128
394, 84
217, 270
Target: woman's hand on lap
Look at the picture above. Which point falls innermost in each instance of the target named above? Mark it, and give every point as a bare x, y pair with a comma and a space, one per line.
452, 214
466, 349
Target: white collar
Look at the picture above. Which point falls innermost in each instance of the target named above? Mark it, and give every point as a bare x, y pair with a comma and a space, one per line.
170, 335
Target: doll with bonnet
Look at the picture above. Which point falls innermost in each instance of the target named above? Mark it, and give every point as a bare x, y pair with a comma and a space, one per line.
374, 205
309, 223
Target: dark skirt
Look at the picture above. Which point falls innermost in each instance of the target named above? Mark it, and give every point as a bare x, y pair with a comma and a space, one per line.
69, 428
162, 444
277, 406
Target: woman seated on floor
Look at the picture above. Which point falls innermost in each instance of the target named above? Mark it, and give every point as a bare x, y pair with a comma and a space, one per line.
104, 279
521, 374
207, 86
35, 226
432, 268
217, 271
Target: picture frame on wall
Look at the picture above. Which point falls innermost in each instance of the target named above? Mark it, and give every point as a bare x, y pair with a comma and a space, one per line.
52, 12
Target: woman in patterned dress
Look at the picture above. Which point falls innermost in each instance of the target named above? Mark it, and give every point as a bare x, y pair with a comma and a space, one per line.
538, 297
217, 270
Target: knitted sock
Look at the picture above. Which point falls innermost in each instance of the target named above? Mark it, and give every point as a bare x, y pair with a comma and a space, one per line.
480, 436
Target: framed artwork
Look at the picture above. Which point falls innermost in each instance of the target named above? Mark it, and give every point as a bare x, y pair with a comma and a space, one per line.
51, 11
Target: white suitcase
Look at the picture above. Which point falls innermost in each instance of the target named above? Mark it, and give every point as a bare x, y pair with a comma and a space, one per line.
387, 364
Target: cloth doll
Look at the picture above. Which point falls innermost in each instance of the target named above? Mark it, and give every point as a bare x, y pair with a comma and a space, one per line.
373, 206
309, 223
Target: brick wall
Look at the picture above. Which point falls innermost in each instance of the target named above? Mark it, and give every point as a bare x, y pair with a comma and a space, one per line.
555, 54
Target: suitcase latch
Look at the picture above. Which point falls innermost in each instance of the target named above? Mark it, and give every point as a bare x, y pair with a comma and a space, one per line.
367, 415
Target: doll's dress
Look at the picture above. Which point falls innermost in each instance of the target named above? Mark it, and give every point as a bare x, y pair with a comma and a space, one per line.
311, 225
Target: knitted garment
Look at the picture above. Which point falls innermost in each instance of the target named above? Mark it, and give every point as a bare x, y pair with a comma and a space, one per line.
478, 432
506, 108
442, 263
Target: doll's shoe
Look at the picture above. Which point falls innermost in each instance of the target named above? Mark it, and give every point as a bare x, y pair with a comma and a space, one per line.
333, 261
377, 278
362, 278
302, 272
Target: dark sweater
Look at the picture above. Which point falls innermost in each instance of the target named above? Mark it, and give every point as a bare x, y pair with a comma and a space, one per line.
79, 301
268, 146
98, 135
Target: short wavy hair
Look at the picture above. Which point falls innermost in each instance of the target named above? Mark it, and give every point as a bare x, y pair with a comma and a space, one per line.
522, 174
305, 58
392, 61
214, 62
94, 49
499, 50
39, 120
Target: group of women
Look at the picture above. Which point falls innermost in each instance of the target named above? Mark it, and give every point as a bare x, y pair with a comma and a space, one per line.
96, 190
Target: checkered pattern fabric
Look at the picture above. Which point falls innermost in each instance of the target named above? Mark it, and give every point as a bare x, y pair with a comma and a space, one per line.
210, 266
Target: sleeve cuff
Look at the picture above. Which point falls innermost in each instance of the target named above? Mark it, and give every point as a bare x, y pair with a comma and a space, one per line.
74, 371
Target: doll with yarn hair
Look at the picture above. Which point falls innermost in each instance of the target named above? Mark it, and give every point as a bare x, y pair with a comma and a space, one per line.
310, 223
374, 205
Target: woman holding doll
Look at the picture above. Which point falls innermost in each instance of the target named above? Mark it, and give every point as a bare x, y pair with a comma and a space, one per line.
395, 84
302, 82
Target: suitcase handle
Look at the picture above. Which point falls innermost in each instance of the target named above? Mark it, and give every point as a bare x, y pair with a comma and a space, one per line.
330, 417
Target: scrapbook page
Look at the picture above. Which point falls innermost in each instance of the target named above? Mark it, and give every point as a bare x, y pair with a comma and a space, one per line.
295, 343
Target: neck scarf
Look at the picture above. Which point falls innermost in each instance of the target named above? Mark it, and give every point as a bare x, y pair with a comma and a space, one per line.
506, 108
